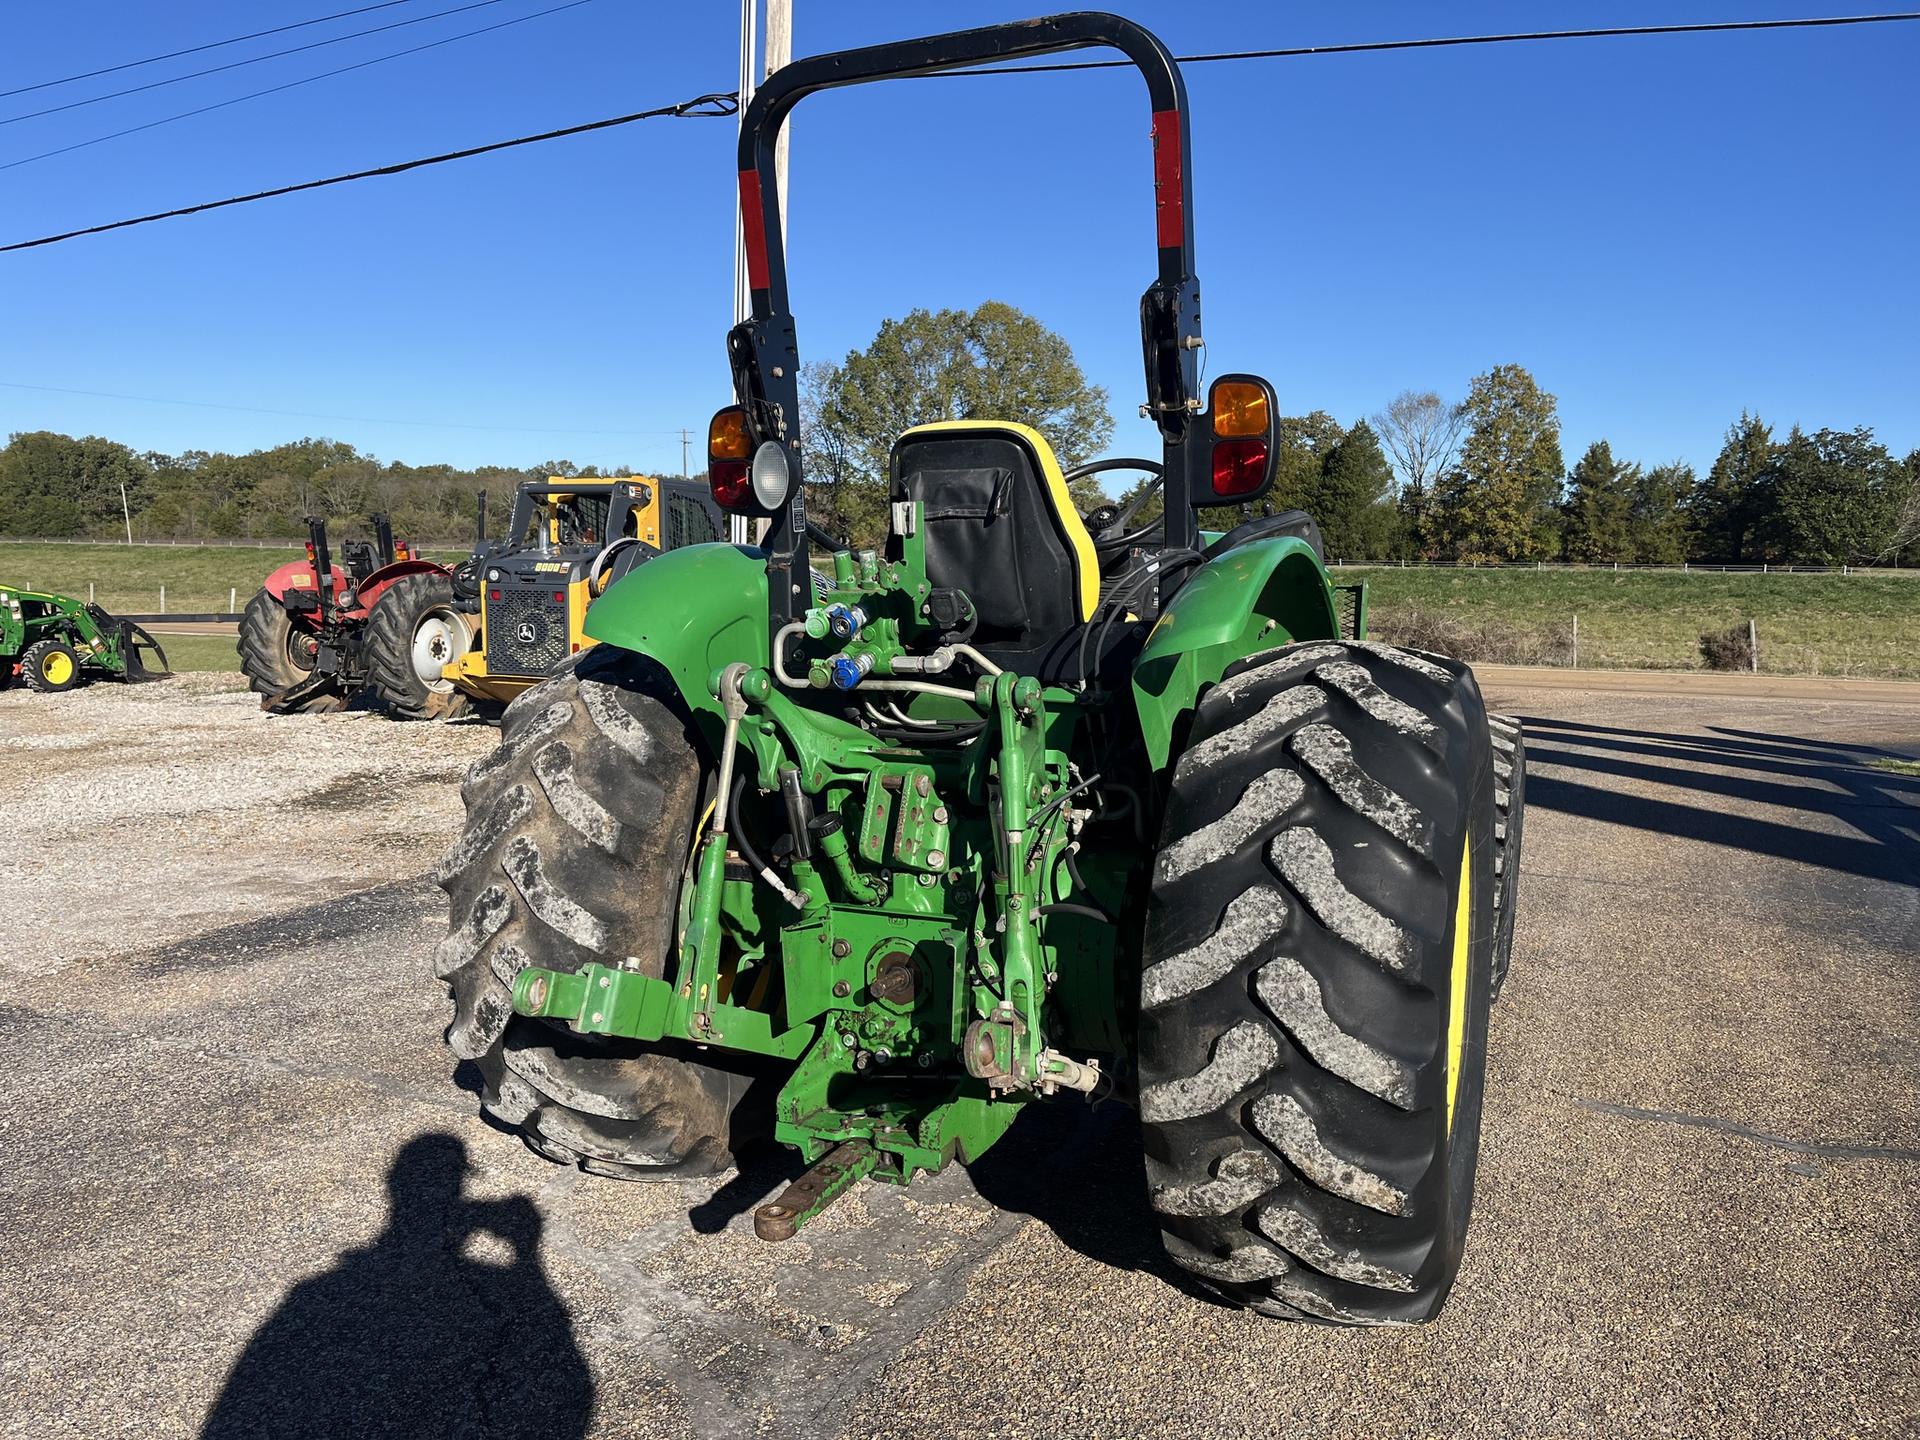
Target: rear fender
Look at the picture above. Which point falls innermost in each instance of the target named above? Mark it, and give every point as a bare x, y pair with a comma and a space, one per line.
382, 580
1254, 597
298, 575
691, 611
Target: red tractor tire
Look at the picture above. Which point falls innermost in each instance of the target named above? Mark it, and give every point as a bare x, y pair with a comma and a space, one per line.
416, 629
271, 649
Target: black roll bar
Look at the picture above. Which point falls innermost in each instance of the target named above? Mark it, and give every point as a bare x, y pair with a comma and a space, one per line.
764, 354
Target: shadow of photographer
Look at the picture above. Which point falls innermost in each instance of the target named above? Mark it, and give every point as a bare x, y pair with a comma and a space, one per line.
446, 1325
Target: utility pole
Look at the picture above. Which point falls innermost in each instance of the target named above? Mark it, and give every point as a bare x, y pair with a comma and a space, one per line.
779, 53
779, 50
686, 438
125, 512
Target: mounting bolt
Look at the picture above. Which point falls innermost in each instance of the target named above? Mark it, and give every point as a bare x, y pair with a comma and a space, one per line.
922, 785
848, 1041
937, 859
939, 814
841, 949
841, 990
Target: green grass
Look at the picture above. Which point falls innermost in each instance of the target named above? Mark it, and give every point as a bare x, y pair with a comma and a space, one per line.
1807, 624
187, 654
1898, 767
127, 578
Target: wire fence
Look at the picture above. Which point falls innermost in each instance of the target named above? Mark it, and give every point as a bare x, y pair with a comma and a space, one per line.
458, 542
1683, 568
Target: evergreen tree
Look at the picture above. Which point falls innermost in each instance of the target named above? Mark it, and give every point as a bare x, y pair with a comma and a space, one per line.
1598, 509
1657, 525
1725, 513
1834, 498
1501, 501
1352, 498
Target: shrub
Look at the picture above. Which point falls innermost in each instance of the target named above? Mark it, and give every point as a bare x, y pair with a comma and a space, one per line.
1488, 641
1727, 649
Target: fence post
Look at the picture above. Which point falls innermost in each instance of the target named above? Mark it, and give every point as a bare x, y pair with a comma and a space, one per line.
89, 592
1753, 646
233, 594
163, 599
1576, 642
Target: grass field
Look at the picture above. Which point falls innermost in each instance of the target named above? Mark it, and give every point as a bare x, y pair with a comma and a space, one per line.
1807, 624
189, 653
127, 578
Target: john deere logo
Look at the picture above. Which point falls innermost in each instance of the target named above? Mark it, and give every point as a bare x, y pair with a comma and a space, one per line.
526, 634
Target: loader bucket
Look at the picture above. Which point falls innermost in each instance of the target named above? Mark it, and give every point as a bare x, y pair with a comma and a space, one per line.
133, 641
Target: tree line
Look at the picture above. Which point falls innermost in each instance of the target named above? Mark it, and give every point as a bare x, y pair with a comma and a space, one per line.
1479, 481
59, 487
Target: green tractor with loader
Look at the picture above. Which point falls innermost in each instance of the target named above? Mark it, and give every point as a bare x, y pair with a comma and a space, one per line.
1023, 808
54, 642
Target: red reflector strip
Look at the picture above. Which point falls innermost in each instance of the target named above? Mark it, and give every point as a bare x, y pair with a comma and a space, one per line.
493, 594
1169, 195
559, 597
753, 227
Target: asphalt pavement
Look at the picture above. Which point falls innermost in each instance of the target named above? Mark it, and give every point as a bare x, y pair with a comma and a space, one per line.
245, 1190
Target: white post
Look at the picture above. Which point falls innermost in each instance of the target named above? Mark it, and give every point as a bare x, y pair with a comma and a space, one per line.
125, 513
742, 291
163, 599
749, 82
1753, 646
233, 594
89, 592
1576, 642
780, 52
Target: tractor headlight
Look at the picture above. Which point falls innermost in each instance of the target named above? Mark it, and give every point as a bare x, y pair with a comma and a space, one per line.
770, 477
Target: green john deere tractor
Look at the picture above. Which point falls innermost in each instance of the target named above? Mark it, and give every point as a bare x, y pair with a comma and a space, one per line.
53, 642
1023, 809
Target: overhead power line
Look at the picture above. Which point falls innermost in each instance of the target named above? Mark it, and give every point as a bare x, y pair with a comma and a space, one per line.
197, 49
727, 103
250, 60
1375, 46
312, 415
717, 104
295, 84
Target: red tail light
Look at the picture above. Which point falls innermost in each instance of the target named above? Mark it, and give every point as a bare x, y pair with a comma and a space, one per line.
1239, 467
313, 556
729, 453
559, 597
728, 481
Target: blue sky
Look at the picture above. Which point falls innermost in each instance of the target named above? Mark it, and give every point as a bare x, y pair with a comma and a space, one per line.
1662, 230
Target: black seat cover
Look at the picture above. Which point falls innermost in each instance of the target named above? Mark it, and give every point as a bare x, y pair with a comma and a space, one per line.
994, 530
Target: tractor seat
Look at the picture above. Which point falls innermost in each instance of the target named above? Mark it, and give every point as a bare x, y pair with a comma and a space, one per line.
1001, 526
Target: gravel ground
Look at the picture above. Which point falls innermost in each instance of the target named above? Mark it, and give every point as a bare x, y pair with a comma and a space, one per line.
150, 812
247, 1195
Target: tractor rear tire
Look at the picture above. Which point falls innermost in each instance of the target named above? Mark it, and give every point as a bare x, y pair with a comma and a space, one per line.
50, 666
413, 624
577, 836
1316, 984
1510, 818
267, 642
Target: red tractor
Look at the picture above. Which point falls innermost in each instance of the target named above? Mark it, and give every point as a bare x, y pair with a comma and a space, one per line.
303, 637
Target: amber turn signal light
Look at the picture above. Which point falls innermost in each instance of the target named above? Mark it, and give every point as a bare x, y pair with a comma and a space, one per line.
1239, 409
727, 437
